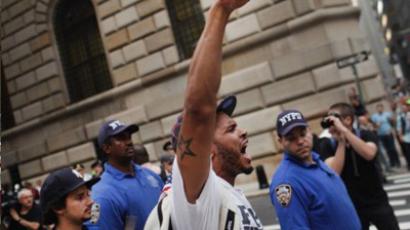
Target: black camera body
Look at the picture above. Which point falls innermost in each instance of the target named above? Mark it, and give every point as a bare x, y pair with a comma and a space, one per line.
325, 123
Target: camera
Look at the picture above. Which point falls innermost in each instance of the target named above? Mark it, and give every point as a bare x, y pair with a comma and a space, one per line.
326, 123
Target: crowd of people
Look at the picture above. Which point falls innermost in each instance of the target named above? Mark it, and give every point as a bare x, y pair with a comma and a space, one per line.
334, 182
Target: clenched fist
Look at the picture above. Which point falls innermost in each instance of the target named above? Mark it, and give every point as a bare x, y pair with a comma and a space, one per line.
231, 5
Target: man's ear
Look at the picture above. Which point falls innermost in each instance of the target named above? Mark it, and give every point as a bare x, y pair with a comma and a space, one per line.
213, 151
280, 139
106, 148
59, 211
348, 120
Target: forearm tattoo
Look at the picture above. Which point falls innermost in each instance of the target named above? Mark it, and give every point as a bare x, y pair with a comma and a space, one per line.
184, 147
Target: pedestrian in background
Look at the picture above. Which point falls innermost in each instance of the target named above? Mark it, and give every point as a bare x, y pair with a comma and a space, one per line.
383, 121
403, 129
26, 214
141, 157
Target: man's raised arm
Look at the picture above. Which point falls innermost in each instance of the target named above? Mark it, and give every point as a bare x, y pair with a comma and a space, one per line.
196, 136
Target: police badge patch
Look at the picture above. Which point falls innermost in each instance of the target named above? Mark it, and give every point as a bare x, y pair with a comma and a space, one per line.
283, 194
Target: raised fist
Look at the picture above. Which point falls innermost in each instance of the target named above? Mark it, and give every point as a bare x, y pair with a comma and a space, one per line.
231, 5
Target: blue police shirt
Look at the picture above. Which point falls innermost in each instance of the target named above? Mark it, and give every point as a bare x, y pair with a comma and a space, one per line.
124, 199
311, 196
383, 120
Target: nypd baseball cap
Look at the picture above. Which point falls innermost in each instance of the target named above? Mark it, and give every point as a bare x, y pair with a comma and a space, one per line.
58, 185
288, 120
227, 106
112, 128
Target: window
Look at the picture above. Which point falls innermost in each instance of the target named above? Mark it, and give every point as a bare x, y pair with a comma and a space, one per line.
7, 118
82, 54
187, 21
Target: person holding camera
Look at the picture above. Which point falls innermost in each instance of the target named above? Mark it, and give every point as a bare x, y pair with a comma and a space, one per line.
26, 215
306, 193
352, 153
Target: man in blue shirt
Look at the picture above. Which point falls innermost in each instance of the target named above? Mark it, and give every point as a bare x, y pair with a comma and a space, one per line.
127, 192
306, 193
403, 130
383, 120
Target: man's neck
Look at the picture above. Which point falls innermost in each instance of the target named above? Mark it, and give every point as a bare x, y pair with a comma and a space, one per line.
309, 160
24, 210
226, 176
66, 224
125, 167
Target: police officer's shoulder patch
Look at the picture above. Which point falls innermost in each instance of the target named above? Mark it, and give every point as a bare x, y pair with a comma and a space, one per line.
283, 194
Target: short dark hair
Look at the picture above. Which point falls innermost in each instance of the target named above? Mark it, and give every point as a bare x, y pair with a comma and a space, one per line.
50, 216
346, 110
96, 163
141, 154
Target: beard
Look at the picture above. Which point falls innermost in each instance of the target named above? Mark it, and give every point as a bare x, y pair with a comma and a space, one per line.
248, 170
231, 161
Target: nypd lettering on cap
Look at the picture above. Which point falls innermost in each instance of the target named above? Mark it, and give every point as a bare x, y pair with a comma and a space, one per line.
290, 117
115, 124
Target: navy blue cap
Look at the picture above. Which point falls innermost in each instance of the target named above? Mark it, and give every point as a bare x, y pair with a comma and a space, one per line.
227, 106
112, 128
288, 120
59, 184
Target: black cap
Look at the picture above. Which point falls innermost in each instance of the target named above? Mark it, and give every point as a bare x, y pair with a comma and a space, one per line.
112, 128
227, 106
59, 184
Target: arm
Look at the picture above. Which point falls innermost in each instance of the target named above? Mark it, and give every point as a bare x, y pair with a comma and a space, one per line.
293, 216
110, 216
367, 150
399, 128
337, 162
194, 144
28, 224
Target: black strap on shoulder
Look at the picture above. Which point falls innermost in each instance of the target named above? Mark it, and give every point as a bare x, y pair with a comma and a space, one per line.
159, 210
230, 220
170, 224
160, 216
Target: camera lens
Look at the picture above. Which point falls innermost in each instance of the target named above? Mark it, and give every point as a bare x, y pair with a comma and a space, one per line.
325, 123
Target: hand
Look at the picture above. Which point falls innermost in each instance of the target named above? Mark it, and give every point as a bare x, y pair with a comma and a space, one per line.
337, 124
231, 5
401, 138
14, 214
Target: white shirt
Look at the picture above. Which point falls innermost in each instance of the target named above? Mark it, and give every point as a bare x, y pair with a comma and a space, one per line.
205, 213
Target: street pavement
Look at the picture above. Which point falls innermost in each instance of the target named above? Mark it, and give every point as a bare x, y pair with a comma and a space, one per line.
397, 188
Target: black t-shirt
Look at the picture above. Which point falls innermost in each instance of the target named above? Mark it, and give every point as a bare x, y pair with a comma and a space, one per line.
34, 215
361, 177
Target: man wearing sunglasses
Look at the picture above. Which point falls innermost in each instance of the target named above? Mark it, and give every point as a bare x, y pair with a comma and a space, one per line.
352, 153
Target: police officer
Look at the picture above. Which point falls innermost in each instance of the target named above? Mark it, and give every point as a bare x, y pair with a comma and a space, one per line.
358, 168
306, 193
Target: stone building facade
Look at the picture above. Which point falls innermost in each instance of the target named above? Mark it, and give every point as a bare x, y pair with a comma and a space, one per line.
277, 55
